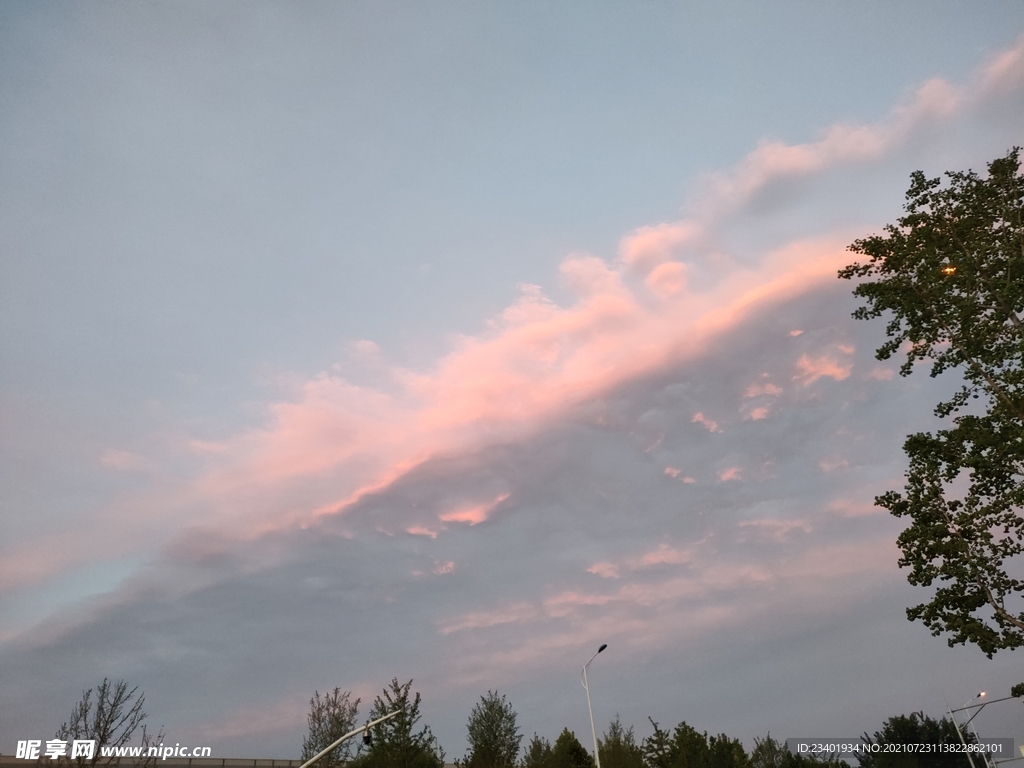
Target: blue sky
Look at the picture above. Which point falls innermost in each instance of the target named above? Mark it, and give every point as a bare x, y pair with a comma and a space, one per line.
344, 341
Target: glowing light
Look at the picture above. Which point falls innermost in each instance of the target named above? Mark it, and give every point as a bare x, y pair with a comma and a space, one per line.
949, 269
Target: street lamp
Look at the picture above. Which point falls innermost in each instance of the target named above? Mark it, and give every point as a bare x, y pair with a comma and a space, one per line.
583, 679
967, 707
970, 722
348, 736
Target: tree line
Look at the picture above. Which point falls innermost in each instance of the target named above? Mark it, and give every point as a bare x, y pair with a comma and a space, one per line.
113, 714
495, 740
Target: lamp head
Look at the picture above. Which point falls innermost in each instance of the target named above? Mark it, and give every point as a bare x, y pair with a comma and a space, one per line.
603, 646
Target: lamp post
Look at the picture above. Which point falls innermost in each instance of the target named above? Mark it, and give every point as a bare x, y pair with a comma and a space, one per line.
970, 722
347, 736
967, 707
583, 679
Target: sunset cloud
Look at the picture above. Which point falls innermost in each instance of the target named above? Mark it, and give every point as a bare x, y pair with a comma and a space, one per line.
664, 432
809, 369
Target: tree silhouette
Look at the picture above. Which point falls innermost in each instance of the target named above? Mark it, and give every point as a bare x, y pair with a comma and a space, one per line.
569, 753
330, 717
494, 737
111, 719
950, 275
618, 748
394, 743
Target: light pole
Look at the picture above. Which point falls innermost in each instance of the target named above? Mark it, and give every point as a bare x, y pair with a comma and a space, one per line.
583, 679
966, 708
347, 736
970, 722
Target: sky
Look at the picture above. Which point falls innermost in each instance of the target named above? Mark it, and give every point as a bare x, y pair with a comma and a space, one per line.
342, 342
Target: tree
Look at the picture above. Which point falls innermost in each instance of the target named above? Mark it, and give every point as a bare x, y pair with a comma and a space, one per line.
657, 748
618, 748
394, 744
538, 753
110, 719
916, 728
724, 752
330, 717
494, 736
769, 753
951, 274
688, 748
569, 753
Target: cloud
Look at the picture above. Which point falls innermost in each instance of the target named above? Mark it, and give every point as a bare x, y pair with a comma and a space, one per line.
700, 418
648, 247
536, 361
809, 369
832, 464
542, 483
515, 613
664, 554
342, 441
840, 144
667, 279
475, 514
767, 388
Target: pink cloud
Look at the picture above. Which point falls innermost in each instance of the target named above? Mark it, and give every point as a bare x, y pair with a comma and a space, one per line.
811, 369
26, 568
535, 360
516, 613
756, 390
665, 554
672, 471
662, 555
829, 465
604, 570
366, 348
475, 514
699, 418
730, 473
647, 247
667, 279
716, 592
757, 414
1006, 70
840, 144
338, 442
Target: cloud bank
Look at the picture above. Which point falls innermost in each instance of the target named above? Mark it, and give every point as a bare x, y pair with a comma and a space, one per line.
678, 461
